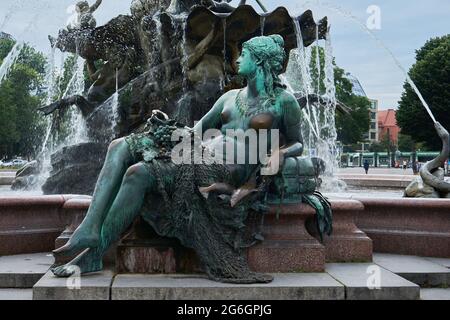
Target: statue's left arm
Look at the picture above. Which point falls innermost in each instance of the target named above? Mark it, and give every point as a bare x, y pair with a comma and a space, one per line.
95, 6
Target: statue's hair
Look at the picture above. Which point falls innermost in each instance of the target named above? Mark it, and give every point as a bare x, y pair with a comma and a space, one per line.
82, 4
270, 55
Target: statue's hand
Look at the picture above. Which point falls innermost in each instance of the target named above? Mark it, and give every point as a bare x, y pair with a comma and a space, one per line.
275, 163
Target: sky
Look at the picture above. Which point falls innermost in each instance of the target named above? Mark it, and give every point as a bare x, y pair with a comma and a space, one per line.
404, 26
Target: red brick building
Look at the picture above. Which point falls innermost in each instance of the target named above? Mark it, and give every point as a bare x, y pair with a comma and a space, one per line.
388, 124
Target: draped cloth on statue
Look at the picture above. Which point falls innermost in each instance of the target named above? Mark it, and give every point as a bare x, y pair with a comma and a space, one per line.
209, 225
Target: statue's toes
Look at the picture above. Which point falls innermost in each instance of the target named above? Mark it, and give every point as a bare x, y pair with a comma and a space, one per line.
65, 271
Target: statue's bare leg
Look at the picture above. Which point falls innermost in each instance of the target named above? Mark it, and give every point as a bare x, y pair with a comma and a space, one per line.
87, 234
127, 205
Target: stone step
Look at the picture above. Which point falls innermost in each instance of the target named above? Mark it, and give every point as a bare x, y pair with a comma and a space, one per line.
422, 271
16, 294
367, 281
441, 261
343, 281
435, 294
93, 286
287, 286
24, 270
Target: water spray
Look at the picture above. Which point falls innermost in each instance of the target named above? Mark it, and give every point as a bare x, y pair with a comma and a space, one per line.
381, 44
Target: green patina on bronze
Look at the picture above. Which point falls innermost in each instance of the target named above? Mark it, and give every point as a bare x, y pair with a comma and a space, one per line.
207, 207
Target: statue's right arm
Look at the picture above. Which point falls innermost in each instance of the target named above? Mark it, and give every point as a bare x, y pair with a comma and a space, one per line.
95, 6
212, 120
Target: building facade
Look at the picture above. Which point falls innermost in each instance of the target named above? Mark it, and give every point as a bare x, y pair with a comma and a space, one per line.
387, 125
373, 129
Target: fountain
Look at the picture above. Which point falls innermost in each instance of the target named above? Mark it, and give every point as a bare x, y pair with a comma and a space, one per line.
10, 59
178, 60
179, 57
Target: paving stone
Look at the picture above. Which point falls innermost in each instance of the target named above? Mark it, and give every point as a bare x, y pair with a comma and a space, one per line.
367, 281
287, 286
24, 270
442, 261
16, 294
416, 269
435, 294
93, 286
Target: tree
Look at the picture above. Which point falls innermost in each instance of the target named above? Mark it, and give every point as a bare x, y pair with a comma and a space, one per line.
21, 93
406, 143
377, 147
431, 74
387, 144
350, 127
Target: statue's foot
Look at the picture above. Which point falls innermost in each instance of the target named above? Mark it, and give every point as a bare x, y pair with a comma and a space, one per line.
80, 240
83, 263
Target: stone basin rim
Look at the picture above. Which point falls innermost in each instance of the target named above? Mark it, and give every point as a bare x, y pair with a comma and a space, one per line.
41, 200
406, 202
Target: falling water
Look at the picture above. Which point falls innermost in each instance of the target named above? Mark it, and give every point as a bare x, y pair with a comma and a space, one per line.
224, 58
363, 26
180, 21
77, 125
263, 24
115, 101
319, 130
318, 60
155, 57
10, 59
328, 149
53, 73
302, 57
49, 92
286, 82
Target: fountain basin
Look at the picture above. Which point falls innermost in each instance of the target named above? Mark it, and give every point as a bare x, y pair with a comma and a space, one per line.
31, 224
389, 225
290, 242
407, 226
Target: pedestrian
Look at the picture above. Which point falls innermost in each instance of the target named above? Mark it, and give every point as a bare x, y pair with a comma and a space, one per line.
366, 166
404, 164
415, 168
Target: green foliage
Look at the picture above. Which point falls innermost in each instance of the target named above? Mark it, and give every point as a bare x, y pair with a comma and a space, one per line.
350, 127
387, 144
431, 74
377, 147
406, 143
21, 126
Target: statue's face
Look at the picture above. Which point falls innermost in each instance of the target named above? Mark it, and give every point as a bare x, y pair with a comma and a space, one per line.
247, 64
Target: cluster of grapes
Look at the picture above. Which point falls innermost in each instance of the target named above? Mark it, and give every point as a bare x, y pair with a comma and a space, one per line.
163, 135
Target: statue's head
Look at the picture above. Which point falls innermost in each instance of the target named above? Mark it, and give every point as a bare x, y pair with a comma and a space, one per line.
82, 6
263, 57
